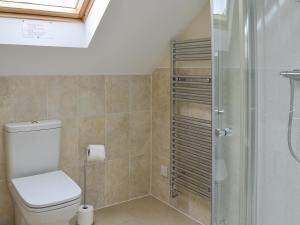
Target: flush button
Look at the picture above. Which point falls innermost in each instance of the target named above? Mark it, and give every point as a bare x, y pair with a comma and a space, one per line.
34, 121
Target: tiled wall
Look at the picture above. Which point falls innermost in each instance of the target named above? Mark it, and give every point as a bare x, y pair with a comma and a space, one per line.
195, 206
110, 110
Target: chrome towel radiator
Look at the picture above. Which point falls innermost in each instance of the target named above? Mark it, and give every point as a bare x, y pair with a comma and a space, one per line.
191, 147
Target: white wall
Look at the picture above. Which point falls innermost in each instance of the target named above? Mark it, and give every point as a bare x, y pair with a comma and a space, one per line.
278, 173
200, 27
131, 39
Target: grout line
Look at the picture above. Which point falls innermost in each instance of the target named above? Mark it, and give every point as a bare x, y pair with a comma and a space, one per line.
122, 202
173, 207
151, 133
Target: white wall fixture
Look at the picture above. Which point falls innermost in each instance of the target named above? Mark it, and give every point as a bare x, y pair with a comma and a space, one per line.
163, 170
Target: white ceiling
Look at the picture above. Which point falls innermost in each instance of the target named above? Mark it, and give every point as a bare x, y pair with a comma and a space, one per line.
132, 38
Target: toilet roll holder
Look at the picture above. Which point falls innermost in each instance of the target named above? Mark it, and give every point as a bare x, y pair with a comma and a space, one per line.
84, 179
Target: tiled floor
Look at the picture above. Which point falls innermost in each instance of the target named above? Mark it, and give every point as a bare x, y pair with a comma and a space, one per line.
145, 211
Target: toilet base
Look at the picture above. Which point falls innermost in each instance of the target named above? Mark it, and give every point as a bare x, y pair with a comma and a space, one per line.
20, 220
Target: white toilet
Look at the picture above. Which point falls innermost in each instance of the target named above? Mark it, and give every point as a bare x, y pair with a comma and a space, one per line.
42, 194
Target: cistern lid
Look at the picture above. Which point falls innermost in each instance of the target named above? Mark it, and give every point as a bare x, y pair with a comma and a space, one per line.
48, 189
32, 126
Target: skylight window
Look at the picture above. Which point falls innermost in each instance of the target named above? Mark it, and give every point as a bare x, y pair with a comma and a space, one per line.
220, 7
76, 9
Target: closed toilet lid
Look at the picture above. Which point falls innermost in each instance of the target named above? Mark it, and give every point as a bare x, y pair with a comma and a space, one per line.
46, 189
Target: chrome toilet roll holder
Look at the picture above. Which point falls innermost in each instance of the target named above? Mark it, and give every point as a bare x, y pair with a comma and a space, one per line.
84, 179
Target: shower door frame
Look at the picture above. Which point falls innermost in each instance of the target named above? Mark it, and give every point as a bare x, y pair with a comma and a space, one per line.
248, 62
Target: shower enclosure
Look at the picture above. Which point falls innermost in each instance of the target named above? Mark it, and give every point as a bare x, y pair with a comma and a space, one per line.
256, 112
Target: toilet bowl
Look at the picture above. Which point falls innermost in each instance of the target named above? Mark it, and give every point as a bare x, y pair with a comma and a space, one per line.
42, 194
46, 199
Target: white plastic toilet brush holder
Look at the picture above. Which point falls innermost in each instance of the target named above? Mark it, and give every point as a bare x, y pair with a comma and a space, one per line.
85, 215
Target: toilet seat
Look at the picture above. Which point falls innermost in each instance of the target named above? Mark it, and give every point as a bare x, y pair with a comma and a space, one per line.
46, 192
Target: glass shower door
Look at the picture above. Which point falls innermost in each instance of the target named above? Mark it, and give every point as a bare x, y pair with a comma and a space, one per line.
229, 113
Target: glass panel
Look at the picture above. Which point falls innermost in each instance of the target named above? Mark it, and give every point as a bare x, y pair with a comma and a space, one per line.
278, 47
55, 3
230, 109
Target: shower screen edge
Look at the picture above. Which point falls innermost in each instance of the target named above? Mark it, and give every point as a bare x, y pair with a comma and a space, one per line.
232, 77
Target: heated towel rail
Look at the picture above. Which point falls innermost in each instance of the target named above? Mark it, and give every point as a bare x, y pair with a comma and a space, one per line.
191, 147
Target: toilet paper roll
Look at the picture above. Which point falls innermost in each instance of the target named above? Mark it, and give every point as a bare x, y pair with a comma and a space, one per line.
85, 215
95, 152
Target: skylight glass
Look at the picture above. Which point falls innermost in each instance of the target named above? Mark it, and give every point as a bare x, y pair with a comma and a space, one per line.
55, 3
220, 7
57, 8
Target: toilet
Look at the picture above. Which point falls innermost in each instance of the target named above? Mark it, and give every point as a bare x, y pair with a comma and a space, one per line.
42, 194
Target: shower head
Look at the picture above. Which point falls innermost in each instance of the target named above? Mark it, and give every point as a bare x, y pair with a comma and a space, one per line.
293, 74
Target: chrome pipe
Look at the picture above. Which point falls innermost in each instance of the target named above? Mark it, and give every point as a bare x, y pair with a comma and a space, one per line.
293, 74
193, 124
192, 162
192, 76
196, 192
192, 186
193, 59
190, 94
193, 82
201, 149
192, 144
191, 170
200, 155
192, 119
192, 100
189, 131
192, 41
202, 180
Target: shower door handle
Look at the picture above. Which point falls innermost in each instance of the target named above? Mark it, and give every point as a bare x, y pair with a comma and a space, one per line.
223, 132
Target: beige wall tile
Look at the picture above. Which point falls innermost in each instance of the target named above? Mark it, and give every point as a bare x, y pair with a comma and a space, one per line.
117, 135
3, 171
117, 93
139, 133
181, 202
7, 215
161, 129
5, 199
139, 175
160, 185
159, 151
140, 93
62, 97
117, 180
91, 131
95, 183
27, 98
2, 147
161, 90
91, 95
160, 190
80, 103
200, 208
72, 170
69, 154
4, 86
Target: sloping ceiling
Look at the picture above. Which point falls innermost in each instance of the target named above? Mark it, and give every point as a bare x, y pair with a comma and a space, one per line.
132, 38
